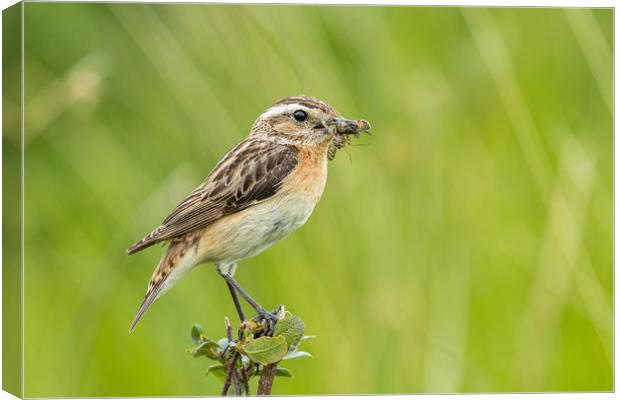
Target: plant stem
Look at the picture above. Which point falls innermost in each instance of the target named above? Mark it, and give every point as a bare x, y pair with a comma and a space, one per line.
236, 382
245, 372
229, 374
266, 379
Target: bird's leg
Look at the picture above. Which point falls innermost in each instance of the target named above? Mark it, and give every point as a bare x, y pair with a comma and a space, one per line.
235, 298
260, 310
230, 270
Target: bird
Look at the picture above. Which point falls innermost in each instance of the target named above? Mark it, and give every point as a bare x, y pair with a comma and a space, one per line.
262, 190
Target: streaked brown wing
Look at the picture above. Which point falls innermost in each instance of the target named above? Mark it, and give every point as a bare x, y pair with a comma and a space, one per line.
251, 172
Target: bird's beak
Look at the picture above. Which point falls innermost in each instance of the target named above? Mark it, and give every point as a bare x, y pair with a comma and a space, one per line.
349, 126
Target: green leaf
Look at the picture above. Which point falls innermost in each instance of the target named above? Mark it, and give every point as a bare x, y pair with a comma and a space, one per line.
208, 349
291, 327
196, 333
297, 354
284, 372
218, 371
266, 350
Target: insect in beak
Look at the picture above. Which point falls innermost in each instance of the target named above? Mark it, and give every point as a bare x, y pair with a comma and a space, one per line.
339, 128
345, 126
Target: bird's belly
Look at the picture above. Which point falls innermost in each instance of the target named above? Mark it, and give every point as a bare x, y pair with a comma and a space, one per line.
251, 231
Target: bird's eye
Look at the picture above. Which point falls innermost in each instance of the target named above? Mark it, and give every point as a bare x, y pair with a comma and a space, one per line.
300, 115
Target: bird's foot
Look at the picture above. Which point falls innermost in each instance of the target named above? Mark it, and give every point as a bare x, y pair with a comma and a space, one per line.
270, 318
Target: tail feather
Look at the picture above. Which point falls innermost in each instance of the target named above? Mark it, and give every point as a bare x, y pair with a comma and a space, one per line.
150, 297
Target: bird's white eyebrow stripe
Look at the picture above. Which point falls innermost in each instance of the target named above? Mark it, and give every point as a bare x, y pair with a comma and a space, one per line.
283, 109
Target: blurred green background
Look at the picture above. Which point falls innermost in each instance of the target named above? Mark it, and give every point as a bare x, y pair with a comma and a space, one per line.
467, 248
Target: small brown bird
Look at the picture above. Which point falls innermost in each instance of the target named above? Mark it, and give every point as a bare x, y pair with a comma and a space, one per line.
261, 191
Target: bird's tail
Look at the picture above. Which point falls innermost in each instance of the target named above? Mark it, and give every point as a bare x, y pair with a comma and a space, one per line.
179, 259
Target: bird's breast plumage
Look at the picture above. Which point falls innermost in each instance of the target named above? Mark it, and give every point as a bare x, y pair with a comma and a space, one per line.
309, 177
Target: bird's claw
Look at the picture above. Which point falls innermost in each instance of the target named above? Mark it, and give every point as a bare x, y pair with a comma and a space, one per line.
271, 318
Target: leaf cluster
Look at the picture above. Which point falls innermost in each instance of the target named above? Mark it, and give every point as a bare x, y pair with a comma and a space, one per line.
258, 344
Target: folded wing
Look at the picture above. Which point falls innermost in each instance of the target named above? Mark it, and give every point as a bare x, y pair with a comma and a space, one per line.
252, 172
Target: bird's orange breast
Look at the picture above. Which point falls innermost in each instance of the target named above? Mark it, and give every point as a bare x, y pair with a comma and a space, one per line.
309, 176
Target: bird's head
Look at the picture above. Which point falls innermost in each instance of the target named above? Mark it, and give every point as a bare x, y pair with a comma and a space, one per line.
304, 120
